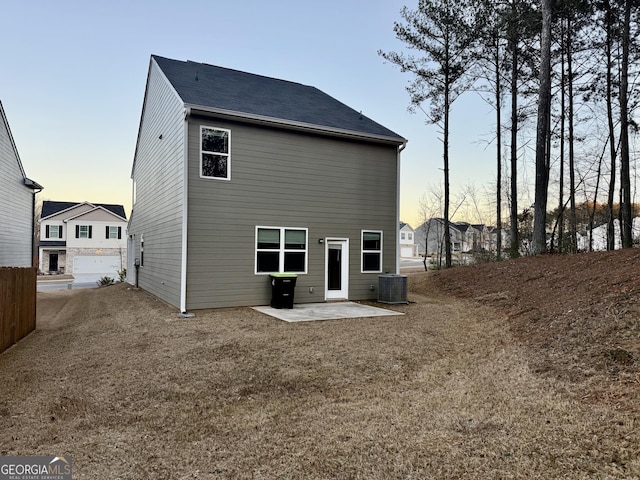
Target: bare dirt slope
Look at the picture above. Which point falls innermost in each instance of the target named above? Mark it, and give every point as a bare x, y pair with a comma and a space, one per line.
578, 314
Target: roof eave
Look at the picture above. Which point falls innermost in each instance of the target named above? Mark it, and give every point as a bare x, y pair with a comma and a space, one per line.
293, 125
33, 185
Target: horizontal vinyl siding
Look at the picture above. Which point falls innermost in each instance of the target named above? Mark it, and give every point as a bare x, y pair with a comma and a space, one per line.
158, 173
16, 207
333, 187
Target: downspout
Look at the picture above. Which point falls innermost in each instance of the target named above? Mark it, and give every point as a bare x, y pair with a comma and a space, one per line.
35, 189
185, 192
400, 149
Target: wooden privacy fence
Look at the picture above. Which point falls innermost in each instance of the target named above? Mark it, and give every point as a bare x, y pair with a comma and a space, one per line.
17, 304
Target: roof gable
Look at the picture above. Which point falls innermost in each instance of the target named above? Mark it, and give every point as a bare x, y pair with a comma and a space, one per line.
7, 131
406, 227
12, 146
51, 208
250, 95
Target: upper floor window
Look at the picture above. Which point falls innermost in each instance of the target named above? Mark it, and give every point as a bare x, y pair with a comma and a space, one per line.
403, 236
409, 236
281, 250
53, 231
113, 232
215, 153
372, 251
84, 231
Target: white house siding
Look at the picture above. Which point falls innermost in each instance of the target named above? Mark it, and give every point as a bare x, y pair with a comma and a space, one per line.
333, 187
158, 175
16, 205
408, 249
599, 241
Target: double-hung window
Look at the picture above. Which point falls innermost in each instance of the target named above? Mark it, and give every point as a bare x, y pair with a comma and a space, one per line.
215, 153
84, 231
281, 249
53, 231
371, 251
113, 232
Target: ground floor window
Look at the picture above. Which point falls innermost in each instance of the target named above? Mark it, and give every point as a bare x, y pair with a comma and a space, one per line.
371, 251
281, 249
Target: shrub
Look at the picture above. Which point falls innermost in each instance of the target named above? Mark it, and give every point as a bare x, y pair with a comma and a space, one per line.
122, 275
104, 281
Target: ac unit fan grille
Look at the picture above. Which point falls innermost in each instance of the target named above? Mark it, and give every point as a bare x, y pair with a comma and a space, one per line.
392, 289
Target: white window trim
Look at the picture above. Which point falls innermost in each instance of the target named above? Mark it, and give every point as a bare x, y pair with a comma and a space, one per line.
58, 236
362, 251
281, 251
80, 231
228, 155
114, 229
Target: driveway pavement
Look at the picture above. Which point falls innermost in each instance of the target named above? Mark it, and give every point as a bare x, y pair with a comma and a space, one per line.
64, 282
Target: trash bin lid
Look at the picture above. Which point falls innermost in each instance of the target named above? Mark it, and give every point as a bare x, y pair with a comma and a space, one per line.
283, 275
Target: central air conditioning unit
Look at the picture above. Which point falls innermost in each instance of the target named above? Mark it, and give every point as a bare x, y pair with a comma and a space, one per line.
392, 289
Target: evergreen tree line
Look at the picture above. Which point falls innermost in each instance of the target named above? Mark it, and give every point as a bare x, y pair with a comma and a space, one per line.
562, 72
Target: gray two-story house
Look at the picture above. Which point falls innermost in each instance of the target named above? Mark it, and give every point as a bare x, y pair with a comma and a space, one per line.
237, 176
17, 204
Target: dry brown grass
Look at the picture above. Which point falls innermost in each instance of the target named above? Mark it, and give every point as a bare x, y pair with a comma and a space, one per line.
130, 390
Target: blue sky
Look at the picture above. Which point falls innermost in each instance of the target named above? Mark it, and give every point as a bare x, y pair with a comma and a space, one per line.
74, 72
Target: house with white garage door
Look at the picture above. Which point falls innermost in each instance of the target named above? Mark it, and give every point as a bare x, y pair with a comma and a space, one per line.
87, 240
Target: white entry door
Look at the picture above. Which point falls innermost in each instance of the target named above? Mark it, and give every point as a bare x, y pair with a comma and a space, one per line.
337, 269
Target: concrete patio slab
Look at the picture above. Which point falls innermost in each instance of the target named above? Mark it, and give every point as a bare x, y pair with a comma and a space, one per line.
308, 312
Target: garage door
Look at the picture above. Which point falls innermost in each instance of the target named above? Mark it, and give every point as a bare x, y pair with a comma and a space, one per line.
107, 265
406, 252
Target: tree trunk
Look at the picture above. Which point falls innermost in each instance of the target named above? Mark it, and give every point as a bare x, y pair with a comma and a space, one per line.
539, 241
447, 237
498, 150
625, 177
611, 242
513, 45
572, 171
560, 220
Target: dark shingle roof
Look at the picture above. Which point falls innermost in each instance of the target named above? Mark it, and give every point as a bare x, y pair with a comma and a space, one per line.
51, 208
213, 87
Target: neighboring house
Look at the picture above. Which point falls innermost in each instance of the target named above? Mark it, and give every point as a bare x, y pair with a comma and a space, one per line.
237, 176
480, 239
88, 240
431, 237
465, 237
408, 248
599, 236
17, 204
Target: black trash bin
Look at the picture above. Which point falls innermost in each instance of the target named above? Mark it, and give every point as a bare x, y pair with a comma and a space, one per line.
282, 289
